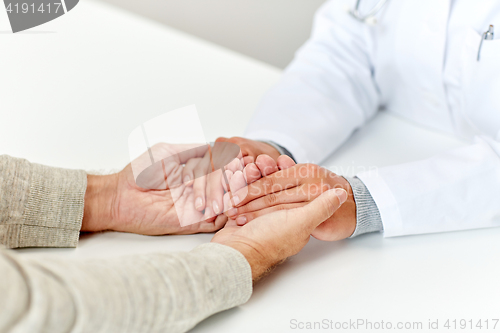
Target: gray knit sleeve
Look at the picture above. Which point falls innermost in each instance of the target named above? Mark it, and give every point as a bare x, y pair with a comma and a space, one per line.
155, 292
367, 213
40, 206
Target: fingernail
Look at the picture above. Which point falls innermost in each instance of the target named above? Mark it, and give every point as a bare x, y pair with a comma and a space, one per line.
236, 200
208, 213
198, 203
216, 207
187, 179
241, 220
341, 194
232, 212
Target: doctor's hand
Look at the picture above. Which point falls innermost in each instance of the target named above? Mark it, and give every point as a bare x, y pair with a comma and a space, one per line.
251, 148
293, 187
116, 202
268, 240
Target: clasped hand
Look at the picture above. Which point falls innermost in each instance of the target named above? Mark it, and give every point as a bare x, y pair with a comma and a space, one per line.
183, 194
170, 185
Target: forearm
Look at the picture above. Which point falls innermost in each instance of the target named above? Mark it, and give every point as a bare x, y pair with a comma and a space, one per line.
154, 292
40, 206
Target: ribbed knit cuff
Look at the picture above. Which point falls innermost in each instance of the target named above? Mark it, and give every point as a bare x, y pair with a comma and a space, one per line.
367, 213
42, 207
281, 150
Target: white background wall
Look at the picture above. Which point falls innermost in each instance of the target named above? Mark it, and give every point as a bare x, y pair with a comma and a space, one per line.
268, 30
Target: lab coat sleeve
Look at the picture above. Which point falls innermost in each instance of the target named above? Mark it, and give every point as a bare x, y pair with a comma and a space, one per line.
457, 190
325, 93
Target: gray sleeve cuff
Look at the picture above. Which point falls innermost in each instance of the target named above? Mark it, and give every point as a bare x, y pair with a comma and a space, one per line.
41, 206
281, 150
367, 213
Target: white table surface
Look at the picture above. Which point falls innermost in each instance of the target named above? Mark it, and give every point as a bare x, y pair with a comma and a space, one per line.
72, 90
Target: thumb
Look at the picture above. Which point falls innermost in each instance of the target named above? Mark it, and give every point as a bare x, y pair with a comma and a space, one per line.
320, 209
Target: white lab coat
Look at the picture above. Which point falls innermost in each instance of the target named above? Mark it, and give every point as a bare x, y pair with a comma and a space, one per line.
418, 62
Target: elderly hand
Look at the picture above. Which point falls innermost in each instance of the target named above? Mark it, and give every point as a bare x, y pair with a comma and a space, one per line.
117, 202
205, 176
268, 240
209, 184
291, 187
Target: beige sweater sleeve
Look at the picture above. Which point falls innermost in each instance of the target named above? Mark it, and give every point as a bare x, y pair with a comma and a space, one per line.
43, 206
143, 293
40, 206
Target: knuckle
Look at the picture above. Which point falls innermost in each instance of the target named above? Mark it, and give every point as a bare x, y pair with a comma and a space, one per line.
271, 199
269, 182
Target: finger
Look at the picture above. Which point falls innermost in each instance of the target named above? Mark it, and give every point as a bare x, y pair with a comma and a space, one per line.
209, 215
188, 216
251, 173
318, 210
199, 186
244, 219
188, 151
302, 193
227, 202
188, 172
266, 164
218, 223
175, 177
285, 162
201, 172
230, 223
226, 180
215, 192
235, 165
275, 182
237, 181
248, 159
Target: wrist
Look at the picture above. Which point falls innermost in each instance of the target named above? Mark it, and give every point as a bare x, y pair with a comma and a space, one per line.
98, 202
346, 214
258, 263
